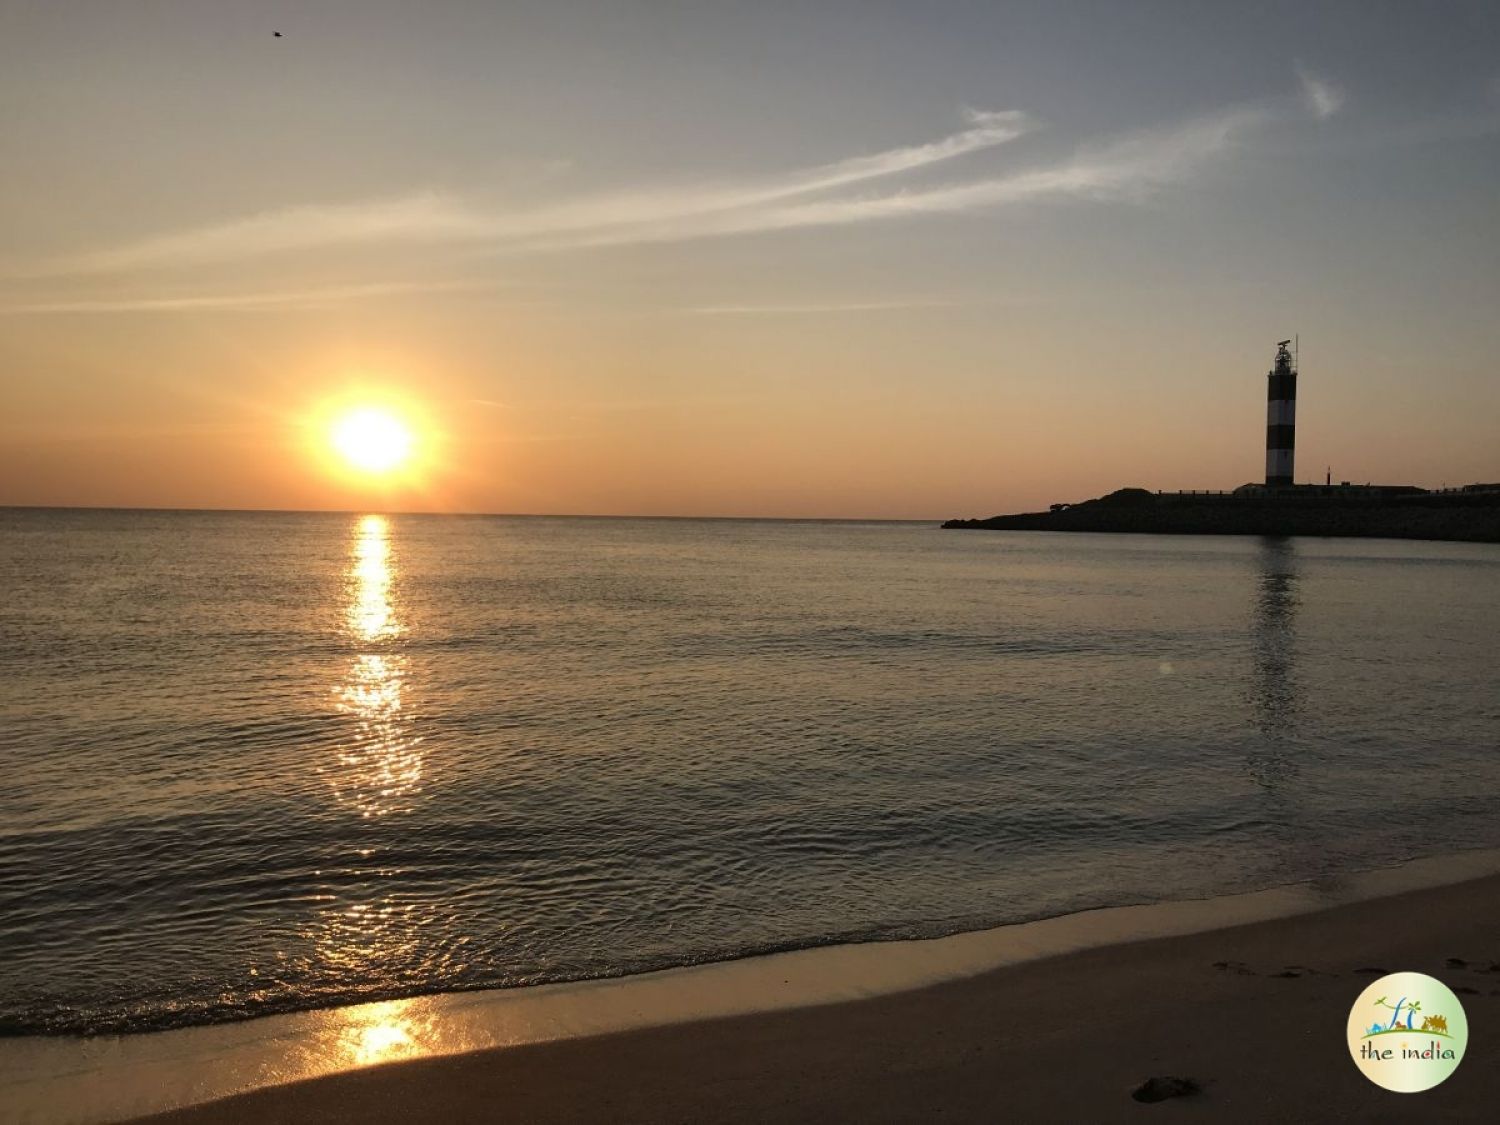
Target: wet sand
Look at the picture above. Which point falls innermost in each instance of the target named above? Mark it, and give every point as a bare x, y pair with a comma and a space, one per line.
1254, 1015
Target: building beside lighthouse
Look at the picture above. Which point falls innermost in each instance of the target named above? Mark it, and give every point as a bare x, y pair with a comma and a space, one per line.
1281, 418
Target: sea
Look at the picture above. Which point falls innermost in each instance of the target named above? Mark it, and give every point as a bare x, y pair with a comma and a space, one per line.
268, 762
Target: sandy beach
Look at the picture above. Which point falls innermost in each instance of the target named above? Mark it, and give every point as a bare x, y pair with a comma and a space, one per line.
1253, 1015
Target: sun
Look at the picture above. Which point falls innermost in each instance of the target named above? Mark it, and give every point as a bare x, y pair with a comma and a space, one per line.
371, 440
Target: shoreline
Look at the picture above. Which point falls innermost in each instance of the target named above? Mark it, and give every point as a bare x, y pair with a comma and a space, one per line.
327, 1053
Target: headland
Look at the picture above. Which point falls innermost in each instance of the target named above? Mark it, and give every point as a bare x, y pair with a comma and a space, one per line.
1471, 513
1279, 507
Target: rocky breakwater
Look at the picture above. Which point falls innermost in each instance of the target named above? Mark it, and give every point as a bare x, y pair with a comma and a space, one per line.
1392, 513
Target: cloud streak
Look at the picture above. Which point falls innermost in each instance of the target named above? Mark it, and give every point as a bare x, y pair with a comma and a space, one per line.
233, 302
421, 218
827, 307
1128, 169
834, 194
433, 218
1322, 98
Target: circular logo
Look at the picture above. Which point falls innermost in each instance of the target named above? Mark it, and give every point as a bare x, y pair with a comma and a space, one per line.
1407, 1032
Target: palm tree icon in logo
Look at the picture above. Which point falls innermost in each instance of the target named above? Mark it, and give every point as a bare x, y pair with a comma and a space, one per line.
1396, 1009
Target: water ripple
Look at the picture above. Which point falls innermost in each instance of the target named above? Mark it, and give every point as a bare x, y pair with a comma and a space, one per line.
260, 763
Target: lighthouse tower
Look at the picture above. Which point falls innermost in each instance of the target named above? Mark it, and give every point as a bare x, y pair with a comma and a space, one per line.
1281, 418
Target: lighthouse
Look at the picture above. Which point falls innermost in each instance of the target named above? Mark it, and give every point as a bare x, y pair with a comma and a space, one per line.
1281, 418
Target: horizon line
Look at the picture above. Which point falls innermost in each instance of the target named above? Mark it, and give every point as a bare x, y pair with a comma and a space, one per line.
462, 515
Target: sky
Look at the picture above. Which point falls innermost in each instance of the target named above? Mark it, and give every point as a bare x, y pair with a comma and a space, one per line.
811, 259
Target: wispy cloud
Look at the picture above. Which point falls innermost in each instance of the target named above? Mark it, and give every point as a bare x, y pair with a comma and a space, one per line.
426, 217
987, 128
825, 307
1322, 98
248, 302
820, 195
1127, 169
432, 217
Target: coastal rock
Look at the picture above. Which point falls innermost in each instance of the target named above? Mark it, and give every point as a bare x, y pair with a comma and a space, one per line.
1162, 1087
1398, 512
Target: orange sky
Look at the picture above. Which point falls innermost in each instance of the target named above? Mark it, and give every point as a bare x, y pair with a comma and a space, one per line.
604, 281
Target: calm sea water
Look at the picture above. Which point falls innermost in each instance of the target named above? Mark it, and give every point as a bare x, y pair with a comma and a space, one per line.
264, 762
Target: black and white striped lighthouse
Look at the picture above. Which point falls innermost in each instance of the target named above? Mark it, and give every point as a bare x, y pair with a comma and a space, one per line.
1281, 418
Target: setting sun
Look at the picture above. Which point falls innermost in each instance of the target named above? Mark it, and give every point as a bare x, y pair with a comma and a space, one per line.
374, 441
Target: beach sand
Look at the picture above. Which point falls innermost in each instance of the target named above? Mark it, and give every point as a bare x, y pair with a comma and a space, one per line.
1254, 1014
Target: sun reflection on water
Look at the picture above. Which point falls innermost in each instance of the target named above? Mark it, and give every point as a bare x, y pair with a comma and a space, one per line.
378, 1033
371, 616
341, 1039
378, 762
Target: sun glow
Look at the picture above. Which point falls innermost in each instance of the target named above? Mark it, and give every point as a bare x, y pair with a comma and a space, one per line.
371, 440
